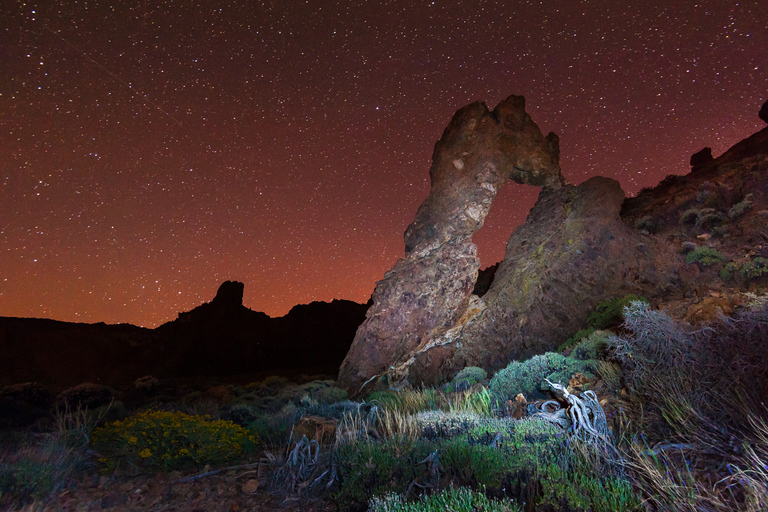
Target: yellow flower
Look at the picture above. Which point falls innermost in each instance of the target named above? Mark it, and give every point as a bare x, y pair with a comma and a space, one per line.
132, 440
145, 453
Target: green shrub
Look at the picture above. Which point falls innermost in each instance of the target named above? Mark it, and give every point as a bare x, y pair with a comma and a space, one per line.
371, 469
689, 216
454, 500
705, 256
591, 347
729, 271
332, 395
610, 313
170, 440
466, 378
709, 217
275, 427
740, 208
646, 224
528, 376
575, 338
445, 425
36, 470
754, 268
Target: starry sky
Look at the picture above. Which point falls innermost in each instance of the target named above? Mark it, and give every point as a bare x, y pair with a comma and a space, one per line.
152, 149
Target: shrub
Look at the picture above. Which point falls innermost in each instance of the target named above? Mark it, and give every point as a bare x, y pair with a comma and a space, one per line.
646, 224
754, 268
575, 338
705, 256
689, 216
170, 440
455, 500
610, 313
591, 347
741, 207
36, 470
371, 469
445, 425
709, 217
86, 395
275, 427
466, 378
729, 271
528, 376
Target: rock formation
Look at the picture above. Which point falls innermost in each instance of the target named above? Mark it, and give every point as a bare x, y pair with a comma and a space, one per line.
763, 113
701, 158
428, 290
579, 246
572, 252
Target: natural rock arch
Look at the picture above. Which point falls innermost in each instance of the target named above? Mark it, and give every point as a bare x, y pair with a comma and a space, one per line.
427, 292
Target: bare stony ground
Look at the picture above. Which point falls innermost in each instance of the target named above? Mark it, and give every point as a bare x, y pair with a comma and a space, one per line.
232, 491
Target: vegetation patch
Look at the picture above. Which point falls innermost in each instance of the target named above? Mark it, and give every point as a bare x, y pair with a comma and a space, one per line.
455, 500
705, 256
170, 440
754, 268
528, 377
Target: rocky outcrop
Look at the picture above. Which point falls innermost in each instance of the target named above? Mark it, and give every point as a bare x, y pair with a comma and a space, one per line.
763, 113
701, 158
579, 246
428, 290
573, 252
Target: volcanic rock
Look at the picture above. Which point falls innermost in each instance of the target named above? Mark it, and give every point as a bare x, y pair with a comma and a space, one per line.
763, 113
229, 293
701, 158
428, 290
579, 246
573, 252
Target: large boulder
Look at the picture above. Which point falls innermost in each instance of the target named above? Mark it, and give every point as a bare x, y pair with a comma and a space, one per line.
428, 291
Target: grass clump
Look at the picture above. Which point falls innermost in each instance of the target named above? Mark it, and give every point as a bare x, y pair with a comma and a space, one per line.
697, 410
36, 470
528, 377
705, 256
371, 469
456, 500
47, 463
410, 401
171, 440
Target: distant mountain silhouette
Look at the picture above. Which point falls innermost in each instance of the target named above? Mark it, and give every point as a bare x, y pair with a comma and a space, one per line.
220, 338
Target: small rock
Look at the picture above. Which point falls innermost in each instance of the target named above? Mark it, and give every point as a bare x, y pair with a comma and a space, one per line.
250, 486
577, 381
318, 428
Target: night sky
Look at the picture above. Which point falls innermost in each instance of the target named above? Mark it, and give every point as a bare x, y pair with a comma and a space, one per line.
150, 150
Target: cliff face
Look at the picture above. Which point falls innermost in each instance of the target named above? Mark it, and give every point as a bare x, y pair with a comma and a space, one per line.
579, 246
217, 339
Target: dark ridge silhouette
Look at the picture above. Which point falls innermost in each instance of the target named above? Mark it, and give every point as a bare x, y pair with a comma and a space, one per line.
221, 338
